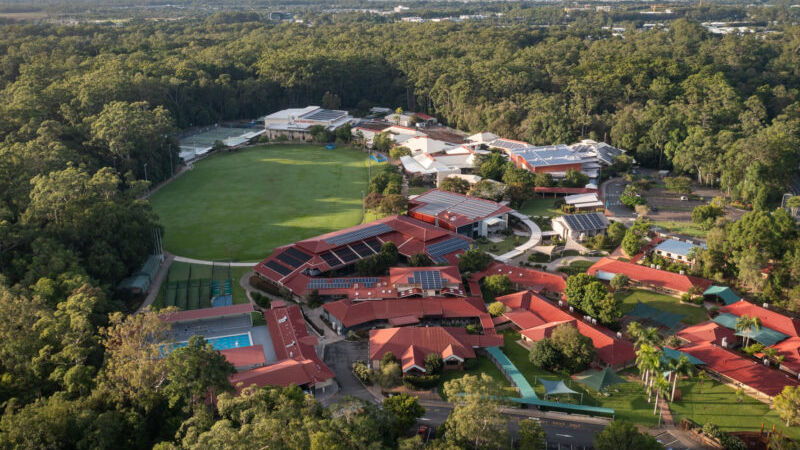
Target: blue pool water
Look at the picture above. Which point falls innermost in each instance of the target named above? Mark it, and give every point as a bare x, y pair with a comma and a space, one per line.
223, 343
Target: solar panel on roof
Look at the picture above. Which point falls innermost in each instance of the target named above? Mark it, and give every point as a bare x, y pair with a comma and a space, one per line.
358, 235
345, 254
585, 222
331, 259
373, 244
362, 249
429, 279
451, 245
323, 114
290, 260
435, 202
281, 269
298, 254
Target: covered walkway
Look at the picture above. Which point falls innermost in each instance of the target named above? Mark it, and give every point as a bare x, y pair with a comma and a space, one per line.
528, 395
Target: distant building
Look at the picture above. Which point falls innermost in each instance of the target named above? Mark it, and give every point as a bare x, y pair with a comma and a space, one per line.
295, 123
578, 227
584, 202
648, 277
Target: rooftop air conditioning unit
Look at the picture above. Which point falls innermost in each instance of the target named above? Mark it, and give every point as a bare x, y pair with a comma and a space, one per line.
658, 267
765, 305
766, 362
619, 334
594, 321
682, 272
652, 266
561, 303
724, 342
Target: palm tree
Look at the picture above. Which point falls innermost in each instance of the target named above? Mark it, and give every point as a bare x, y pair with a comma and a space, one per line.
648, 361
681, 366
661, 388
634, 330
745, 324
648, 336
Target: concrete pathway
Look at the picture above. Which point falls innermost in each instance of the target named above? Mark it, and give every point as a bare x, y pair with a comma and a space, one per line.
155, 285
533, 241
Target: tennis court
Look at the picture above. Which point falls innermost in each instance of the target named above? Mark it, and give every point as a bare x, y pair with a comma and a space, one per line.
195, 286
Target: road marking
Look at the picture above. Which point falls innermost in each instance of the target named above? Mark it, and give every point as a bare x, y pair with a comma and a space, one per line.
424, 418
564, 435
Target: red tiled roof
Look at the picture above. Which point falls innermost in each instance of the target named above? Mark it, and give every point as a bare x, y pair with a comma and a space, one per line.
351, 313
289, 333
412, 344
707, 332
769, 318
750, 373
424, 116
544, 331
284, 373
245, 356
790, 349
649, 276
530, 311
207, 313
535, 280
410, 235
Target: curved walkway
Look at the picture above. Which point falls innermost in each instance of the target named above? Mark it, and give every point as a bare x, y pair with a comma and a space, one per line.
533, 241
553, 265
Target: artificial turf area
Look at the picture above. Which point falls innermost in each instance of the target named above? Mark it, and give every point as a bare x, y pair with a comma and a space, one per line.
181, 269
628, 400
239, 206
692, 314
714, 402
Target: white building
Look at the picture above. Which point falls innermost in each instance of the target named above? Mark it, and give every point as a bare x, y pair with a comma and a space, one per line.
294, 123
578, 227
583, 201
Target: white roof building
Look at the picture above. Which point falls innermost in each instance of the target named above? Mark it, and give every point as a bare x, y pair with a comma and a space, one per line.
581, 201
301, 119
423, 144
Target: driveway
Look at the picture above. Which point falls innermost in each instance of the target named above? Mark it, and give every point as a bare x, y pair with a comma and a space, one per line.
340, 356
611, 191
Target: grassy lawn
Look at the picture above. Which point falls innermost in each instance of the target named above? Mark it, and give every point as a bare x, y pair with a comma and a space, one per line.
628, 399
717, 403
485, 365
576, 267
540, 207
239, 206
506, 245
180, 270
687, 228
692, 314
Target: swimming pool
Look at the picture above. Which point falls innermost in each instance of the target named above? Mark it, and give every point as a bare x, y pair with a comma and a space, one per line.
224, 342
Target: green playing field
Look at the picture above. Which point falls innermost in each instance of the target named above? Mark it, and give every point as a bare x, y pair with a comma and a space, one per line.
239, 206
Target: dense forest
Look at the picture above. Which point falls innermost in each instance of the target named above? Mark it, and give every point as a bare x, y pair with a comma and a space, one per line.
87, 115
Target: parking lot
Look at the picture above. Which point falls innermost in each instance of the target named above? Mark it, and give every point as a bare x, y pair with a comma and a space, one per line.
340, 357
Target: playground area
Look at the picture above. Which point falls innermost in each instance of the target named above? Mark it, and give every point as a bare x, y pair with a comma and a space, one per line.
238, 206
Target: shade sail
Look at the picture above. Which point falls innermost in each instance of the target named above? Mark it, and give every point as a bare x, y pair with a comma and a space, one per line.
599, 379
556, 387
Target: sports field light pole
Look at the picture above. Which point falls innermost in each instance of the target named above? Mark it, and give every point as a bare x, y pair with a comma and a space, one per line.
145, 176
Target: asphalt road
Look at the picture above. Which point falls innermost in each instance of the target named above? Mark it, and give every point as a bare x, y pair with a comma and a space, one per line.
340, 356
559, 432
612, 190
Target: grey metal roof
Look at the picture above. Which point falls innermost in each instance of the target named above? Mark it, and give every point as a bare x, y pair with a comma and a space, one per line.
435, 202
677, 247
439, 249
586, 222
324, 115
548, 155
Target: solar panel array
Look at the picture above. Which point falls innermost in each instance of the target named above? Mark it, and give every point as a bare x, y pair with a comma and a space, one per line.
503, 143
324, 114
429, 279
360, 234
290, 260
437, 201
439, 249
297, 254
585, 222
362, 249
345, 254
280, 268
374, 244
341, 283
331, 259
548, 155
